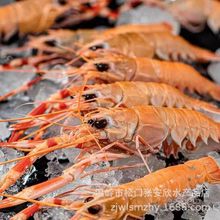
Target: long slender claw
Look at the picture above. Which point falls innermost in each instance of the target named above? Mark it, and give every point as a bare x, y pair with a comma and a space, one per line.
41, 109
26, 213
24, 144
19, 169
68, 176
36, 111
42, 149
37, 191
38, 121
31, 210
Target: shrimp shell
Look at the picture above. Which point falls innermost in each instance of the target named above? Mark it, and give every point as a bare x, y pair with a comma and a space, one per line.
178, 123
119, 202
123, 68
155, 126
129, 94
41, 16
163, 45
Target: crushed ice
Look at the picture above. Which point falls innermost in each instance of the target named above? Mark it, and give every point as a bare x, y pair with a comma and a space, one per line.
214, 70
13, 80
5, 133
148, 15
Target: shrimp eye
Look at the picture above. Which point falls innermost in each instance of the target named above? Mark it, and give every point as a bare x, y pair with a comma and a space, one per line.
34, 51
96, 47
95, 209
100, 124
62, 2
89, 96
88, 199
91, 121
102, 67
51, 43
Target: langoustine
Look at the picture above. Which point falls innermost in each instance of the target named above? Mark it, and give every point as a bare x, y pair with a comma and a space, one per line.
113, 203
163, 45
156, 46
61, 44
60, 41
113, 67
79, 37
117, 204
143, 129
44, 14
124, 94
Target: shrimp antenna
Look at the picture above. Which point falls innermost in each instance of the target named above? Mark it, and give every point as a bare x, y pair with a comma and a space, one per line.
32, 117
49, 125
78, 57
113, 168
58, 147
41, 203
69, 192
79, 100
71, 50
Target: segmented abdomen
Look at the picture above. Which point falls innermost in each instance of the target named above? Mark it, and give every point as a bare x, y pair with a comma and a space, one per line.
157, 94
160, 94
133, 44
187, 176
177, 74
179, 123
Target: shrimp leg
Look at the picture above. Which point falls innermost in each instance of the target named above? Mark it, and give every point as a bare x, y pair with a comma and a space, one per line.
68, 176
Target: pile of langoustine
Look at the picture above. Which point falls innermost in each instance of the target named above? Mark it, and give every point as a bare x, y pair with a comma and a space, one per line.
43, 14
130, 100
